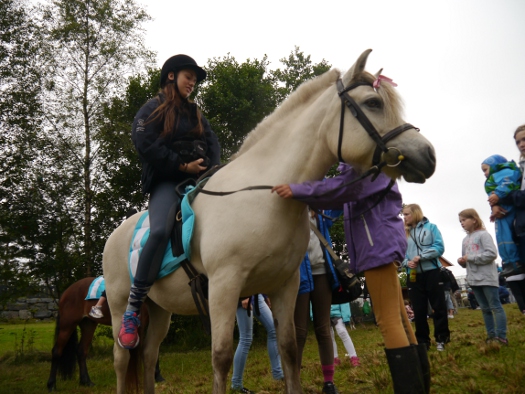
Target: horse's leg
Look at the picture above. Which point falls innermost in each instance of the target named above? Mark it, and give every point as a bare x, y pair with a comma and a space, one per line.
159, 323
158, 376
283, 305
63, 352
223, 298
87, 330
121, 356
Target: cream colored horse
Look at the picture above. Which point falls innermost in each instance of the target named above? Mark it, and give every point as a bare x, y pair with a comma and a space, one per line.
254, 241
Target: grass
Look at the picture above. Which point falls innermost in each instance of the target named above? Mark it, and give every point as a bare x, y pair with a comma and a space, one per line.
468, 365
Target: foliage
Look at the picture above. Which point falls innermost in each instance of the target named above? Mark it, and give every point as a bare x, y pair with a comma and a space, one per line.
299, 69
235, 97
64, 62
21, 144
94, 43
119, 161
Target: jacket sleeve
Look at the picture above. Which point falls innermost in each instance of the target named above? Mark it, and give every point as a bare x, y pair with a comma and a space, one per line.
505, 182
333, 193
437, 248
150, 146
487, 252
516, 198
214, 148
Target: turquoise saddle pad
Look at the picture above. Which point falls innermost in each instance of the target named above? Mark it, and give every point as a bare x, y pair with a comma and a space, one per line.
141, 234
96, 288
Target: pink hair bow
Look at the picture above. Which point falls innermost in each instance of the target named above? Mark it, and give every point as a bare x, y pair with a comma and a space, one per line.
377, 82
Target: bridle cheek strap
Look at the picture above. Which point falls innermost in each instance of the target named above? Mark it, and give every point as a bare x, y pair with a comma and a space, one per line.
358, 113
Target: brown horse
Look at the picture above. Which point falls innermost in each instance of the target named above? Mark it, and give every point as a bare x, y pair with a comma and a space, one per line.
73, 311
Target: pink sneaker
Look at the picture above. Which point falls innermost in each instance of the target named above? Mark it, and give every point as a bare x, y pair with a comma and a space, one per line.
337, 361
355, 361
128, 337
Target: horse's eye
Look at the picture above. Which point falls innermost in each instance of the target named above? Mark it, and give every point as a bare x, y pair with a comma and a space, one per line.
373, 103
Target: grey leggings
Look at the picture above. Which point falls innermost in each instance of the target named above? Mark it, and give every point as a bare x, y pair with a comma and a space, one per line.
163, 203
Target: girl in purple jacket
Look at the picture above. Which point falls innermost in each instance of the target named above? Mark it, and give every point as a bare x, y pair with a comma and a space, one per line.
376, 244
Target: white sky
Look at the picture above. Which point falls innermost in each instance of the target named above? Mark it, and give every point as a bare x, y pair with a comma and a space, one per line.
459, 66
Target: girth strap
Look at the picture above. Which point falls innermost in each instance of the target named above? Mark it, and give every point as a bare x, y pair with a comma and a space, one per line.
199, 292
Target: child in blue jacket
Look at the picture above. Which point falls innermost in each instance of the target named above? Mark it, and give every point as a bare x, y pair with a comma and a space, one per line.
503, 177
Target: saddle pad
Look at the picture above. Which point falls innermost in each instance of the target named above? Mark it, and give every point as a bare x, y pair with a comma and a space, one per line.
96, 288
141, 234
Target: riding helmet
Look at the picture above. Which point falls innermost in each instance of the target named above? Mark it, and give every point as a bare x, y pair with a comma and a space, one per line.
177, 63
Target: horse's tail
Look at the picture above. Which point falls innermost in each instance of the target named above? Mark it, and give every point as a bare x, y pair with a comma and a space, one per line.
135, 370
67, 361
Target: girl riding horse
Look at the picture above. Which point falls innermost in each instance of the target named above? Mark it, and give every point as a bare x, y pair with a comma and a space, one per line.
164, 129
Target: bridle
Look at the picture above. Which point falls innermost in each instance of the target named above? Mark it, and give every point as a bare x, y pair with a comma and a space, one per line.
381, 148
380, 152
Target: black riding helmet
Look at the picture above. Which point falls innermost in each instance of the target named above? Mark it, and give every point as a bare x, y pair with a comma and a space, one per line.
177, 63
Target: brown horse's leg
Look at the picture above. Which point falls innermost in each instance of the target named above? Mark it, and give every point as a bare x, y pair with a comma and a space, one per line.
63, 352
87, 330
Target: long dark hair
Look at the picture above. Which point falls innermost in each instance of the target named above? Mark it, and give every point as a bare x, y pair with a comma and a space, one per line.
171, 107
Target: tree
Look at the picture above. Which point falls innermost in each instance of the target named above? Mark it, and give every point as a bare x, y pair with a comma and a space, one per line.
95, 44
119, 160
20, 135
299, 69
235, 98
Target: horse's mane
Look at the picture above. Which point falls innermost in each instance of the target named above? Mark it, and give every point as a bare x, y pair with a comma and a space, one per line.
393, 104
304, 93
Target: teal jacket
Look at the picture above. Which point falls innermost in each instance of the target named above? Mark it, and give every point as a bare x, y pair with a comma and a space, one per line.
342, 311
425, 241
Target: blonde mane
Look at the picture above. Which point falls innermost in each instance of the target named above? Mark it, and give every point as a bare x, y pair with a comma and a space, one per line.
304, 93
393, 104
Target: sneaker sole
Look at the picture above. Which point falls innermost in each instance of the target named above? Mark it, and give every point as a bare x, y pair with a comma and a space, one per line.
128, 347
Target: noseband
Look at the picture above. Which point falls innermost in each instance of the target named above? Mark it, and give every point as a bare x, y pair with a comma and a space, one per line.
358, 113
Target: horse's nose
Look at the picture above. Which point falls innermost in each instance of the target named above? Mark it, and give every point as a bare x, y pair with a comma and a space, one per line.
431, 156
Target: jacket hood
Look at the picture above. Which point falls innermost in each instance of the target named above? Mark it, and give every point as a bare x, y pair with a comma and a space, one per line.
494, 159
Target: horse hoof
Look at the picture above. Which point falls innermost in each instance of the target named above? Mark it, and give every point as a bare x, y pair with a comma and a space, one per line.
87, 384
159, 378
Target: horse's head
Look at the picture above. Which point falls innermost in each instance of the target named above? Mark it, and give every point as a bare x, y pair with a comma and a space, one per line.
371, 106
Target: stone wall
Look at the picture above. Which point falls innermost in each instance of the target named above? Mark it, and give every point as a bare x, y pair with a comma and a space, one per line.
31, 308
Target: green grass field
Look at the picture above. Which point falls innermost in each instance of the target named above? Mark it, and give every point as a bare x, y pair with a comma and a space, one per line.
468, 365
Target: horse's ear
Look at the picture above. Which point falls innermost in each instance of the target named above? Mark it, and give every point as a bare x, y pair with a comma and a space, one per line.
357, 69
377, 74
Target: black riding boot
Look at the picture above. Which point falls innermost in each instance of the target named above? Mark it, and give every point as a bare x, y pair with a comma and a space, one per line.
425, 365
405, 369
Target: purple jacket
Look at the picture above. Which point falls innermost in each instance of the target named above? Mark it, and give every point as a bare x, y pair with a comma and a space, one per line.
374, 238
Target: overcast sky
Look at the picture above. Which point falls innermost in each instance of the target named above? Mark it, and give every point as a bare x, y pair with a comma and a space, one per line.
460, 67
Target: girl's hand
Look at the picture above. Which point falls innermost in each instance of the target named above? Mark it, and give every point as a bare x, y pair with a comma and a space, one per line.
412, 264
462, 261
193, 167
245, 303
283, 191
493, 199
